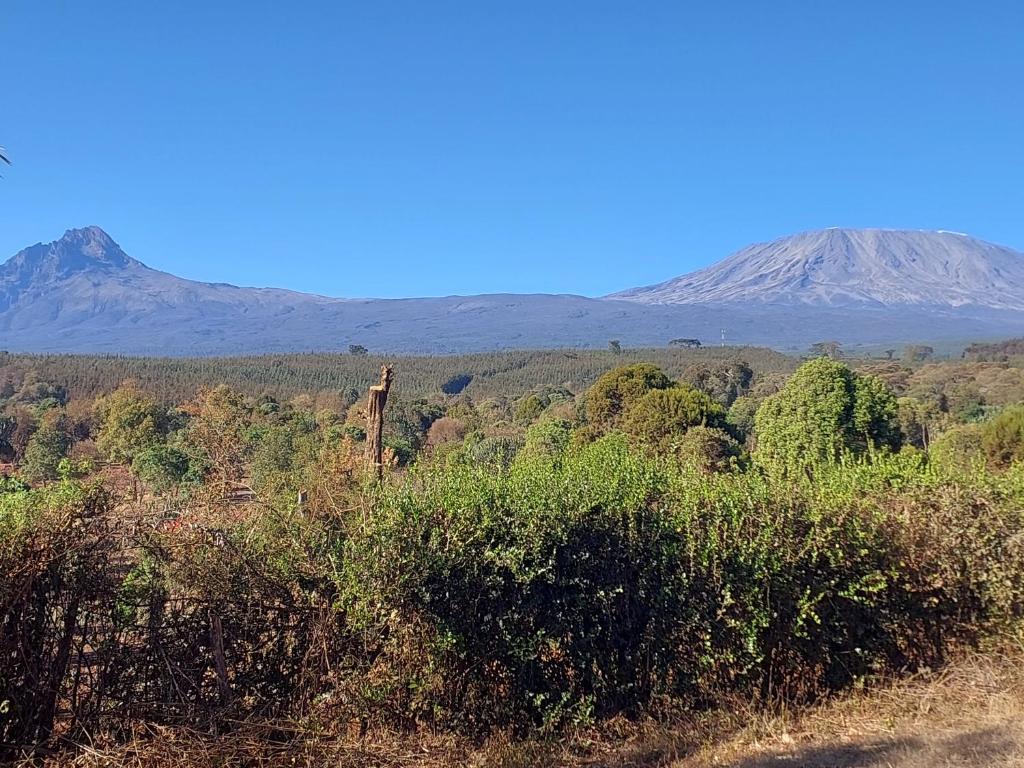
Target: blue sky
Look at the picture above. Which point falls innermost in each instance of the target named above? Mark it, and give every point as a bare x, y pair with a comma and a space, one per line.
429, 148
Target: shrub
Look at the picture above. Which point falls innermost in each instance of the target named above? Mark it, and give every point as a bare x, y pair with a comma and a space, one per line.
707, 449
1002, 438
551, 593
959, 448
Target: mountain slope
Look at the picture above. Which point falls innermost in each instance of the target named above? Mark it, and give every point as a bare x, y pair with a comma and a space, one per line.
82, 293
850, 267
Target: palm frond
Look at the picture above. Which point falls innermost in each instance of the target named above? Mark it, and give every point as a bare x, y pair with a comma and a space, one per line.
3, 155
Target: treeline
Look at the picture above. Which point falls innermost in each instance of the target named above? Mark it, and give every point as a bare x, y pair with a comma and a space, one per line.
507, 374
1000, 351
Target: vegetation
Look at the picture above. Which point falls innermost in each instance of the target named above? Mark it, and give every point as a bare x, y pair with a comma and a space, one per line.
540, 555
333, 378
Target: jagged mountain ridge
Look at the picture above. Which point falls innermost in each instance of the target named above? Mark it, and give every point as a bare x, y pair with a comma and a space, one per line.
83, 293
850, 267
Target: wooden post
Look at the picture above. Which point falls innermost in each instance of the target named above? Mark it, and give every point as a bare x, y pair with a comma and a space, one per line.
220, 664
375, 421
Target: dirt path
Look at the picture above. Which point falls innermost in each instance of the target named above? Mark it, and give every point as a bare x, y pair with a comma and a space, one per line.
971, 715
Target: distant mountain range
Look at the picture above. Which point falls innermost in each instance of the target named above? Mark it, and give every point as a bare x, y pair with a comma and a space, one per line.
83, 293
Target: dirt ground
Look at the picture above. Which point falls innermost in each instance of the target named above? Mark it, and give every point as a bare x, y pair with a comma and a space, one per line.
969, 715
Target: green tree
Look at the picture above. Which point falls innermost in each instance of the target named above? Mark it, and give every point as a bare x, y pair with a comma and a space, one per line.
917, 420
605, 402
917, 353
724, 381
130, 422
958, 448
358, 350
1002, 439
824, 411
741, 414
46, 448
549, 437
709, 450
830, 349
662, 416
529, 408
615, 346
161, 466
876, 421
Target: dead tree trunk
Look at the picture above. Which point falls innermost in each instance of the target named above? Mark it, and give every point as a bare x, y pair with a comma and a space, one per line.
375, 421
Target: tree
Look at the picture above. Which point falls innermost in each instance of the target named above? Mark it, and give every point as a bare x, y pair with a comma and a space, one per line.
685, 343
358, 350
130, 422
615, 346
917, 420
617, 389
1002, 439
830, 349
824, 411
161, 466
47, 446
724, 382
917, 353
741, 414
709, 450
446, 430
217, 435
662, 416
958, 448
548, 438
876, 421
529, 408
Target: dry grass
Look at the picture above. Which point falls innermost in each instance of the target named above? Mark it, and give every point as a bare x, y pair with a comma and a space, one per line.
967, 715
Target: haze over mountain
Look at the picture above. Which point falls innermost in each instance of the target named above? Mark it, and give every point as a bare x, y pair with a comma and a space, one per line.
83, 293
852, 267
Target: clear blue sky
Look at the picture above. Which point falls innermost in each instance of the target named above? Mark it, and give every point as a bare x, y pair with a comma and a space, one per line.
428, 148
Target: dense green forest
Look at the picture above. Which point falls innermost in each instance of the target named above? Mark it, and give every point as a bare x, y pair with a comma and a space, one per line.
509, 374
559, 538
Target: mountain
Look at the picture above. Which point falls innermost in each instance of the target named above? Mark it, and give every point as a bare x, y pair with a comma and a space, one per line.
853, 268
83, 293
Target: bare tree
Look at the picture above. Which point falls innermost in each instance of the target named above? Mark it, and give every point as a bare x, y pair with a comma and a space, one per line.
375, 420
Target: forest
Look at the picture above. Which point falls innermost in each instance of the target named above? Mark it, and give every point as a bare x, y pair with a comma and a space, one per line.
196, 551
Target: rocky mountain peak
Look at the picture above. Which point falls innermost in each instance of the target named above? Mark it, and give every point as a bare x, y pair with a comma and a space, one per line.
79, 250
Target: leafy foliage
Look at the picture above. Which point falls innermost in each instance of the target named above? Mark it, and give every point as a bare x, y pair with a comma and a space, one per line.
1002, 439
662, 416
824, 411
614, 392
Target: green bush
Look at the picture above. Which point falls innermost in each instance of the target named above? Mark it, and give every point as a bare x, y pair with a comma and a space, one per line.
1002, 438
551, 593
